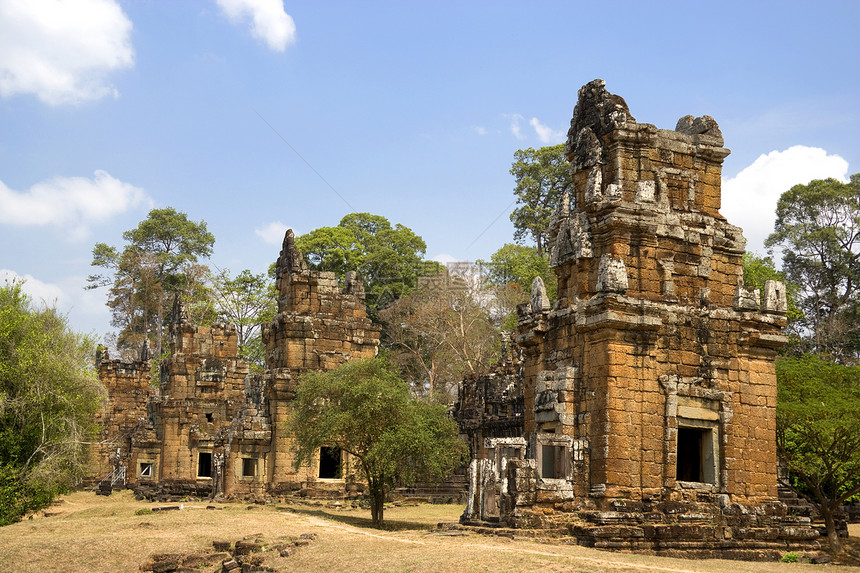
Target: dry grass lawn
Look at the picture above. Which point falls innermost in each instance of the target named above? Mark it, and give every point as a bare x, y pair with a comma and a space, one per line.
88, 533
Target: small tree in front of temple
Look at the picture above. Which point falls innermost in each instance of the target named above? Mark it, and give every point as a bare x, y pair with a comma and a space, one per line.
818, 432
365, 409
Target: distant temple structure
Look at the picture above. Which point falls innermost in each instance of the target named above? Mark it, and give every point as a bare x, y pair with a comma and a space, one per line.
649, 389
211, 429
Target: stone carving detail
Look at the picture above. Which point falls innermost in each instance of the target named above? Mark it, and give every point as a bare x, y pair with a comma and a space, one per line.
645, 192
573, 241
594, 185
746, 298
553, 389
667, 267
614, 191
705, 125
774, 297
611, 275
587, 150
539, 300
598, 110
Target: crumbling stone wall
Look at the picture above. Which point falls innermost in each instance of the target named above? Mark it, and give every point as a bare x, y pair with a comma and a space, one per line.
649, 387
209, 427
124, 417
491, 405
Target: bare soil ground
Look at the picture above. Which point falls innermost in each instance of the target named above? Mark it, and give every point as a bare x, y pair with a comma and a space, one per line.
89, 533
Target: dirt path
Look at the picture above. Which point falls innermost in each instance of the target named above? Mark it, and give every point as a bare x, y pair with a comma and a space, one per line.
443, 543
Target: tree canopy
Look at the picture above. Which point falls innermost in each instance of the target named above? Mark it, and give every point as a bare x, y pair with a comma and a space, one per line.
49, 395
246, 300
365, 409
818, 231
159, 260
818, 431
389, 259
542, 176
441, 332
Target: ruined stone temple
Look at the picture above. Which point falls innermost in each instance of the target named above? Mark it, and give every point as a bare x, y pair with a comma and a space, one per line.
210, 428
649, 390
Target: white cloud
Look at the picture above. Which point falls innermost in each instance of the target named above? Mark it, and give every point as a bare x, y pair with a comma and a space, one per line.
545, 133
70, 201
273, 233
515, 125
62, 50
480, 130
268, 20
749, 199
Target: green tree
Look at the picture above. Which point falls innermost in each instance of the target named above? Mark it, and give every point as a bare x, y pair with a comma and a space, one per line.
157, 263
818, 230
365, 409
542, 176
439, 333
388, 259
818, 432
49, 395
246, 300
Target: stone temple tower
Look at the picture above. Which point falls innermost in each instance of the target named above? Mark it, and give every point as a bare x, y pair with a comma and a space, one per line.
650, 391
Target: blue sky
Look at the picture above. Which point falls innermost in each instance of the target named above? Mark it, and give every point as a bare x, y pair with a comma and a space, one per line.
411, 110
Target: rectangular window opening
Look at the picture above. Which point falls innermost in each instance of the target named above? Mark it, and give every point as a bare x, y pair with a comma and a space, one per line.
204, 464
145, 470
249, 467
552, 462
695, 455
209, 416
330, 463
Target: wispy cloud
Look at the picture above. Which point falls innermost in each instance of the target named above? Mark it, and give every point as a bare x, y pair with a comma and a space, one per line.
75, 202
749, 199
480, 130
267, 20
272, 233
61, 51
516, 119
546, 134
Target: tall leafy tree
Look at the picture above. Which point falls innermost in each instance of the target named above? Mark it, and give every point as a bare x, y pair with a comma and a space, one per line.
542, 176
246, 300
439, 333
365, 409
157, 263
389, 259
818, 432
818, 230
49, 395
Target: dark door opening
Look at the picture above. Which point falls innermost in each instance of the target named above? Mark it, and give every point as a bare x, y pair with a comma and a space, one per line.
690, 454
204, 464
330, 463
